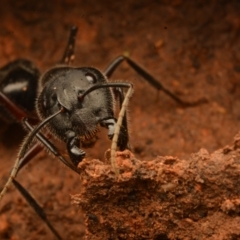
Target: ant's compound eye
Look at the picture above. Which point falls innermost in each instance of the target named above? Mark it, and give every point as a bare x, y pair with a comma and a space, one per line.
91, 78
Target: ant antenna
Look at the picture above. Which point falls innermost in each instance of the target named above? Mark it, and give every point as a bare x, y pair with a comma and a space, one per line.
118, 127
68, 55
23, 151
120, 116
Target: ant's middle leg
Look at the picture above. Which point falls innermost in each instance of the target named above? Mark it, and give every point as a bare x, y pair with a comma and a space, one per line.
31, 153
68, 55
147, 76
36, 207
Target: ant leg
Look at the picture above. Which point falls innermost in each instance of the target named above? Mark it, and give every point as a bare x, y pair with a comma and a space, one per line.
153, 81
68, 55
24, 160
30, 154
32, 202
19, 114
36, 207
49, 146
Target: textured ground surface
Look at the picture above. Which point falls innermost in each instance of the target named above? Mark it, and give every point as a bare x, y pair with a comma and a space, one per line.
193, 47
165, 198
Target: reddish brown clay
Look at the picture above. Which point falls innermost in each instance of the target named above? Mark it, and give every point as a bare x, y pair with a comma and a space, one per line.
165, 198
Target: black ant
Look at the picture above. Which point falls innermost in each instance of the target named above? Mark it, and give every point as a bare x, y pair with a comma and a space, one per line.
72, 103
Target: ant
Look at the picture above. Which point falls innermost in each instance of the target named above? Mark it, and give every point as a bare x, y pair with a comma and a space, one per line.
72, 104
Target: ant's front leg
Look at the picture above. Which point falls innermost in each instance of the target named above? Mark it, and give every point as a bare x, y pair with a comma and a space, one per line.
73, 143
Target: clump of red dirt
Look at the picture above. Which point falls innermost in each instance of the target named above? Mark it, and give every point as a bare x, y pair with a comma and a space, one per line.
165, 198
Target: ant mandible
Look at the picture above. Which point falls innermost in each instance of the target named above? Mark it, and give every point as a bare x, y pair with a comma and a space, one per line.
72, 103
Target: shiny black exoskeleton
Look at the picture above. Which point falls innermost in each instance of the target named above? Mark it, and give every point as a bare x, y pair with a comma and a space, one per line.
19, 83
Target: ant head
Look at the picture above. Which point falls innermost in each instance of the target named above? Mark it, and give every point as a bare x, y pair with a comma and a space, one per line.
63, 85
62, 88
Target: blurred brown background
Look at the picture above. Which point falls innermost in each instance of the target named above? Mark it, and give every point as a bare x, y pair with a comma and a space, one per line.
192, 47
